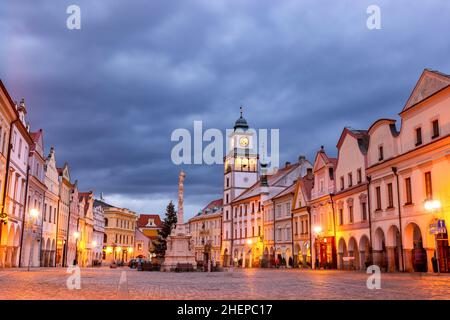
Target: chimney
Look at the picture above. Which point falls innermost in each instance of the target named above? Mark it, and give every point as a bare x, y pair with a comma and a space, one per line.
301, 159
309, 173
287, 164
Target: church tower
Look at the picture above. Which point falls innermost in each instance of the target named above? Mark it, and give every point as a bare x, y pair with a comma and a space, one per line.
240, 173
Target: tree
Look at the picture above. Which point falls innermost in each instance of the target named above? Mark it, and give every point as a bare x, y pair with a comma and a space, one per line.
169, 223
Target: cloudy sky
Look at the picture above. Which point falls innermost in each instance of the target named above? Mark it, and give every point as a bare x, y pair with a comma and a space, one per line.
108, 96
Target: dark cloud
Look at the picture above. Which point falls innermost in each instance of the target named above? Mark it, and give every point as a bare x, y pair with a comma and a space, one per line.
109, 95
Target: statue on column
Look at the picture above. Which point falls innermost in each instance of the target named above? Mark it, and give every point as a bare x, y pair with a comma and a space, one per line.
180, 197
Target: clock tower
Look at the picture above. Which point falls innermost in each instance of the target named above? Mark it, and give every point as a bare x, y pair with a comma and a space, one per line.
240, 173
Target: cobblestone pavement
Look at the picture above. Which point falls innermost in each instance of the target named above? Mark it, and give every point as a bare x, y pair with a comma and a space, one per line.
123, 283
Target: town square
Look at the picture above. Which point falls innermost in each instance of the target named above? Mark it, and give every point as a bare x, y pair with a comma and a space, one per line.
226, 150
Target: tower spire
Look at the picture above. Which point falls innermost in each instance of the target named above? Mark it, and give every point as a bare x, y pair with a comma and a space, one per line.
241, 110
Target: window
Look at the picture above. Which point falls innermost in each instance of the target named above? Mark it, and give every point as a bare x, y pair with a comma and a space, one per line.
350, 214
342, 183
341, 216
228, 182
245, 232
350, 179
253, 207
296, 227
105, 238
408, 190
380, 153
435, 124
20, 148
259, 231
226, 214
364, 211
359, 175
240, 211
331, 173
235, 212
45, 212
253, 231
378, 195
390, 196
106, 223
418, 136
226, 198
428, 186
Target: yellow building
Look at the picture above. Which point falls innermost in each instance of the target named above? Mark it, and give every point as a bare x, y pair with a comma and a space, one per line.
206, 231
119, 239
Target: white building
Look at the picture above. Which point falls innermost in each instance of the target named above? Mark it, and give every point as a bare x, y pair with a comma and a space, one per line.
32, 235
409, 174
16, 185
8, 114
50, 211
99, 233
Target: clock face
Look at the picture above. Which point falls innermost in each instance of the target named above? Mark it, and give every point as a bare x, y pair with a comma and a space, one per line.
243, 141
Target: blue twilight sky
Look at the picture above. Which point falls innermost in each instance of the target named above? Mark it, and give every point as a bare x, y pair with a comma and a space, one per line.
109, 95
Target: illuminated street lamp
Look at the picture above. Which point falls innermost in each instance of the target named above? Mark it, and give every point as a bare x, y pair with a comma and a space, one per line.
317, 230
94, 244
249, 242
432, 206
34, 214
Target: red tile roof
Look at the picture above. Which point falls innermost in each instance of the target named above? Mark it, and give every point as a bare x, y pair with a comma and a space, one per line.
143, 220
213, 204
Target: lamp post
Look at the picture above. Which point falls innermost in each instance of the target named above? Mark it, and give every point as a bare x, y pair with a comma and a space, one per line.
94, 247
34, 214
432, 206
76, 235
317, 231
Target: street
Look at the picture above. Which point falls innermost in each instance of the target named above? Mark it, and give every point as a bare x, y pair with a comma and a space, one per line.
123, 283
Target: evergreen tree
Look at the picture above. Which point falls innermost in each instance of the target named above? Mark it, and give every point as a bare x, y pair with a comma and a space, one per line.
169, 223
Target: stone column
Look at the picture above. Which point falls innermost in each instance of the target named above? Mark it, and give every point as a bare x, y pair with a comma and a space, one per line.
391, 259
430, 255
408, 260
377, 258
180, 197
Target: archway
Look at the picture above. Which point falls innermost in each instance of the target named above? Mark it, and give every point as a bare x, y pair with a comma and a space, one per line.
53, 253
289, 258
353, 252
379, 249
342, 252
415, 254
394, 251
364, 252
10, 247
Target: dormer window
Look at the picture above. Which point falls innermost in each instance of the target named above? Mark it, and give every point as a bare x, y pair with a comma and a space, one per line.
350, 179
342, 183
418, 136
380, 153
359, 177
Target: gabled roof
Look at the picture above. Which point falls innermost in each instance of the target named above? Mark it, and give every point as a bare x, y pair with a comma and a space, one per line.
429, 83
361, 136
287, 190
143, 220
272, 180
102, 204
321, 155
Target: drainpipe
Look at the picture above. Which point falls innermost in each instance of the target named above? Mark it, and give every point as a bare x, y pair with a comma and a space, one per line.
334, 232
3, 215
310, 234
369, 179
42, 229
66, 247
57, 228
25, 207
394, 170
292, 239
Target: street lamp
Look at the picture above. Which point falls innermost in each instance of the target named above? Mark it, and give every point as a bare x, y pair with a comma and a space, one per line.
34, 214
249, 242
432, 206
317, 230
